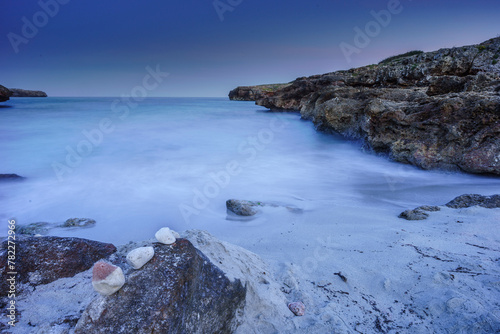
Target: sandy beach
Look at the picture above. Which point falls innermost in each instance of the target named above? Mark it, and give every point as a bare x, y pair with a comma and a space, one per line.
380, 274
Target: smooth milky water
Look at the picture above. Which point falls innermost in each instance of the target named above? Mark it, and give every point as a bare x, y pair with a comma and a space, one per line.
175, 161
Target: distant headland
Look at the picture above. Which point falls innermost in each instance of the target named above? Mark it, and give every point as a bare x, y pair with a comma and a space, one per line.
7, 93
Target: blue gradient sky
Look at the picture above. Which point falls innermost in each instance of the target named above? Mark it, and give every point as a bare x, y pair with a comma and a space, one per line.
101, 48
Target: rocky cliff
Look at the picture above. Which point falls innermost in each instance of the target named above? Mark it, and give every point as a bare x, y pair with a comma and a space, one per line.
16, 92
5, 93
436, 110
253, 93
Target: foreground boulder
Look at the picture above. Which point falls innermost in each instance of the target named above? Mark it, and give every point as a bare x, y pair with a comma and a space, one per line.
435, 110
178, 291
265, 309
41, 260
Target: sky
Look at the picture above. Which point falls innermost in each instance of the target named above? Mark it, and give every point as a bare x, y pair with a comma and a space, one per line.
208, 47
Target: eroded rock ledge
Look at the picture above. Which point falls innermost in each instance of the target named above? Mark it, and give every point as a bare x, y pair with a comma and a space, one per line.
435, 110
252, 93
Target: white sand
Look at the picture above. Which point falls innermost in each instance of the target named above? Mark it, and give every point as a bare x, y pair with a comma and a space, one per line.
55, 307
439, 275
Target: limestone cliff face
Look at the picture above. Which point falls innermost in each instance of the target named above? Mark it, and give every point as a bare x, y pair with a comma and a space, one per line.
16, 92
5, 93
436, 110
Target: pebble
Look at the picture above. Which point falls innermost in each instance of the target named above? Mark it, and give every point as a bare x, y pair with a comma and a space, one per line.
297, 308
140, 256
107, 278
165, 236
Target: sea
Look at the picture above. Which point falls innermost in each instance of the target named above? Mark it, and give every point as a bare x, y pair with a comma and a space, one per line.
137, 167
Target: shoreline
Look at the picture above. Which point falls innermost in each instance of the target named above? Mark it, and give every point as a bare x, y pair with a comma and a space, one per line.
378, 274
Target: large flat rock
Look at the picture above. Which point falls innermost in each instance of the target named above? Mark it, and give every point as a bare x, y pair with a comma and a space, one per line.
41, 260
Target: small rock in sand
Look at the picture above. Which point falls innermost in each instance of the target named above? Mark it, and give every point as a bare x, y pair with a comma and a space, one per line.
468, 200
166, 236
431, 208
297, 308
107, 278
415, 214
140, 256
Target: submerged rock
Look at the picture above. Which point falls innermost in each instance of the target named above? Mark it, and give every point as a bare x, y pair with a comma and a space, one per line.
44, 227
107, 278
468, 200
10, 177
178, 291
33, 228
41, 260
79, 222
250, 208
242, 208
